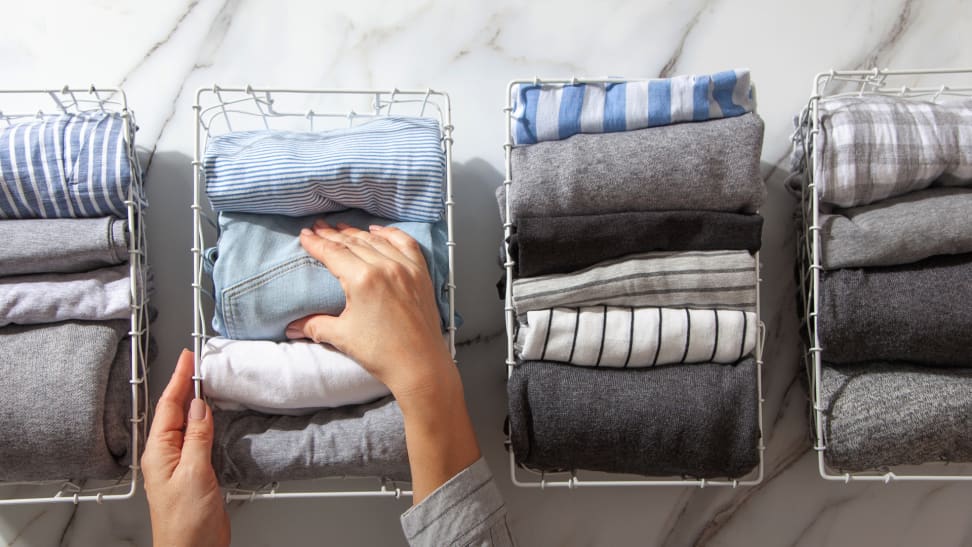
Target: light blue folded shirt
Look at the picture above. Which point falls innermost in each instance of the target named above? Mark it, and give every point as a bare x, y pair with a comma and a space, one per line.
391, 166
263, 279
550, 112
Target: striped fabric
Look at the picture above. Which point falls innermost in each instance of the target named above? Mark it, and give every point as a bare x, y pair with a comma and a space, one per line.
550, 112
690, 279
603, 336
65, 166
390, 167
876, 147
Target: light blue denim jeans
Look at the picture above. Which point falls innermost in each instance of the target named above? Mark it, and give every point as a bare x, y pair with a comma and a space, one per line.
263, 279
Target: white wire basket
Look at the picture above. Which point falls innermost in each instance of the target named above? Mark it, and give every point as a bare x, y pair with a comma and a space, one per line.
220, 110
578, 478
19, 105
950, 84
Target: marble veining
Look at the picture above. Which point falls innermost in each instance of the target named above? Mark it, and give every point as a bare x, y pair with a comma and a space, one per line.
161, 52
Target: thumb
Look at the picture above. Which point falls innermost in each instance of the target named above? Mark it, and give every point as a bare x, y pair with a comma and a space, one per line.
323, 329
197, 444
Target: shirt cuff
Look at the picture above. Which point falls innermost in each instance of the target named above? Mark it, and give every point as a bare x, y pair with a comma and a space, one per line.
466, 506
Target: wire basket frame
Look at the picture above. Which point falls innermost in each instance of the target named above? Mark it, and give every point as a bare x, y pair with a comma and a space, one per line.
829, 85
219, 110
571, 479
67, 100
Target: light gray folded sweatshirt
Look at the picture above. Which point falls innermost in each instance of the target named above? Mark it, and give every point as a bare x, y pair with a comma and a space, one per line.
885, 414
709, 166
66, 401
61, 245
899, 230
253, 449
97, 295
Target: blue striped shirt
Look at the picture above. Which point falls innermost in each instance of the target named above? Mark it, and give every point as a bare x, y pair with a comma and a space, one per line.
65, 166
391, 167
550, 112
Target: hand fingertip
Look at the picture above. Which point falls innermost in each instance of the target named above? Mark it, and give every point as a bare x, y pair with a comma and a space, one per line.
306, 232
197, 409
375, 228
294, 332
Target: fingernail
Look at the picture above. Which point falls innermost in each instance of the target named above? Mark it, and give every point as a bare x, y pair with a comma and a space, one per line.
319, 223
306, 232
342, 225
197, 409
375, 228
294, 332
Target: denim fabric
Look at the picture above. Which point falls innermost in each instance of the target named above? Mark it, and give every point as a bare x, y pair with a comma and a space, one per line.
263, 279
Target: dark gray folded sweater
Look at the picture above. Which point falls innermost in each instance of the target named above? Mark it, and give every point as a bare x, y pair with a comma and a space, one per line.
885, 414
692, 420
916, 312
709, 166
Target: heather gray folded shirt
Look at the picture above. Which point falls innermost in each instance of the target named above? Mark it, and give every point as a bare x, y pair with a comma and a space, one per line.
885, 414
899, 230
711, 166
66, 401
97, 295
253, 449
61, 245
916, 312
693, 420
543, 245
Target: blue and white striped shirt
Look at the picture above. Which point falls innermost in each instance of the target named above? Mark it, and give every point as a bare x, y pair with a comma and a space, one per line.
550, 112
391, 167
65, 166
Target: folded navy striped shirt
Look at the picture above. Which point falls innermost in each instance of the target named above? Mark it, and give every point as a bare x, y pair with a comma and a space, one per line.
550, 112
391, 167
65, 166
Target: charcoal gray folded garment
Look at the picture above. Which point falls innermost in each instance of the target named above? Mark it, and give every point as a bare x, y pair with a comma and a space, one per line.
692, 420
708, 166
61, 416
62, 245
253, 449
885, 414
544, 245
683, 279
916, 312
900, 230
98, 295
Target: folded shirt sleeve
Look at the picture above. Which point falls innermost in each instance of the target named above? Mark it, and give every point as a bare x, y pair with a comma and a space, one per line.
466, 510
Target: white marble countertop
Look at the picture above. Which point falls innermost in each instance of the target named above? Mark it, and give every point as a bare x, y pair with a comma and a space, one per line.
160, 52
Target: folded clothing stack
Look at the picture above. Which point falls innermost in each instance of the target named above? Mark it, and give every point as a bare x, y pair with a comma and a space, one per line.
66, 297
288, 410
893, 178
634, 279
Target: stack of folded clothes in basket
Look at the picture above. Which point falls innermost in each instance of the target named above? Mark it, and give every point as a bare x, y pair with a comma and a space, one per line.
66, 297
288, 410
894, 320
633, 209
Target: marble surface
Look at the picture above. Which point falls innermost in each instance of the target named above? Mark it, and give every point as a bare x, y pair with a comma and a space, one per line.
160, 52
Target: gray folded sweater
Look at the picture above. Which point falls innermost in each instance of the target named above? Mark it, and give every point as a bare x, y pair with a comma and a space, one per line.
66, 401
710, 166
61, 245
915, 312
253, 449
692, 420
900, 230
885, 414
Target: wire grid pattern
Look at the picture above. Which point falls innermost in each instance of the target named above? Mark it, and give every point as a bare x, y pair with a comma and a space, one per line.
219, 110
828, 85
67, 100
572, 479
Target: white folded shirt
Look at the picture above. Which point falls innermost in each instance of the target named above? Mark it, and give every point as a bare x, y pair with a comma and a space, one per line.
292, 378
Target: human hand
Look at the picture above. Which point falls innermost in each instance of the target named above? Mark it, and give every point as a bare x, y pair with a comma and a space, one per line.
185, 502
390, 324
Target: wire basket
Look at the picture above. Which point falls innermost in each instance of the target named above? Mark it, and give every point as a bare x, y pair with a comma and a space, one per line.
955, 83
220, 110
26, 104
573, 478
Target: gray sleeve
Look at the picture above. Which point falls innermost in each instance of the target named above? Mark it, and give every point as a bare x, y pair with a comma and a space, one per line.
467, 510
